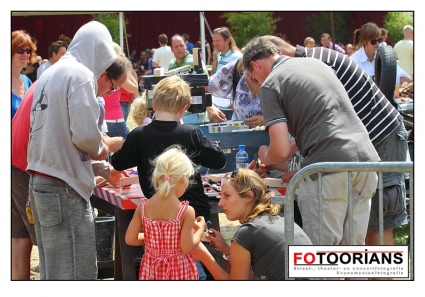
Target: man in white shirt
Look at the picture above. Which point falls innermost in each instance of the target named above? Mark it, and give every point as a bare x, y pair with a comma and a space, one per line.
404, 50
162, 55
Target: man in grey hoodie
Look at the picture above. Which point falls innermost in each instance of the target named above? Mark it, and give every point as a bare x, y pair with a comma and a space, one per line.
64, 138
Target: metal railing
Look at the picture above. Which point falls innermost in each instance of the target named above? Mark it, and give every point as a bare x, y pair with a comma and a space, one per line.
319, 168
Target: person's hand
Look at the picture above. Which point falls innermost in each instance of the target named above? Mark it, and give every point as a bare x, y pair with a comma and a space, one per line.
258, 167
100, 181
217, 239
288, 176
199, 223
215, 115
114, 177
254, 121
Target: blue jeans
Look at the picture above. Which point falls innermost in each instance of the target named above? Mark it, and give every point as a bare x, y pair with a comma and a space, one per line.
201, 273
64, 227
125, 107
117, 129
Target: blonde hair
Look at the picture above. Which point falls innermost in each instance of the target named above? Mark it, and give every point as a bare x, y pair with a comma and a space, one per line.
170, 166
171, 94
247, 180
140, 110
309, 40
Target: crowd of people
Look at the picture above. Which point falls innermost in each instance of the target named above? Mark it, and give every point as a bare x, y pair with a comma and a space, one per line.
69, 137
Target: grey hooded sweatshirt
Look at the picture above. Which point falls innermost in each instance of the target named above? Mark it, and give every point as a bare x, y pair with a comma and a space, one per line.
64, 114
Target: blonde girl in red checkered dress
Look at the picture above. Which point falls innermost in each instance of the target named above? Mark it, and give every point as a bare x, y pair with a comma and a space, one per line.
170, 230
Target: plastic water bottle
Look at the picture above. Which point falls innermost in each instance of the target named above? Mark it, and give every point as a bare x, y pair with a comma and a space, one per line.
242, 158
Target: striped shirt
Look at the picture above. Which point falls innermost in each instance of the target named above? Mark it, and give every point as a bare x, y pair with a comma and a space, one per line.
372, 107
227, 58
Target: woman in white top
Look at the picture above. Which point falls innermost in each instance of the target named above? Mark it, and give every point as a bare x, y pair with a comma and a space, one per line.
366, 40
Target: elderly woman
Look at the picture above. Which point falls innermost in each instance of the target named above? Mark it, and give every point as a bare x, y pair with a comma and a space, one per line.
257, 248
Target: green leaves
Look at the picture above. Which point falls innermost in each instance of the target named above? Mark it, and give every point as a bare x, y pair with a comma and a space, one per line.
246, 25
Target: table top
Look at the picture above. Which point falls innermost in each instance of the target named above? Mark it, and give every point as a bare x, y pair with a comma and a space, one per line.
130, 198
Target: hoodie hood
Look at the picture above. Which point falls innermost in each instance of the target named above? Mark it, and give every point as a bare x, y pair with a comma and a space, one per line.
92, 47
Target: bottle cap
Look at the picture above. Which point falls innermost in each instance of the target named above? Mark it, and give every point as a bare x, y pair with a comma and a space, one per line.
242, 147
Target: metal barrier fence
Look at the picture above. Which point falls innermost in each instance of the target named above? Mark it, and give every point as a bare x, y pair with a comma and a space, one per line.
319, 168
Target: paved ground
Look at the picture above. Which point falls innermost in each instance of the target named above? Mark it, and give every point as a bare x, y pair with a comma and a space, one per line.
228, 228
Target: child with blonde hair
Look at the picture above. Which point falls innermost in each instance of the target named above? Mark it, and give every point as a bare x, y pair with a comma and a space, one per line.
140, 112
170, 230
171, 99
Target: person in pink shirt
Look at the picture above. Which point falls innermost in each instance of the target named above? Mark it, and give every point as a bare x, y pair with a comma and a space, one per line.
114, 117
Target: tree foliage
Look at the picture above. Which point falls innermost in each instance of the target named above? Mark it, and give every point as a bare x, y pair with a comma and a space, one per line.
246, 25
321, 23
394, 22
112, 23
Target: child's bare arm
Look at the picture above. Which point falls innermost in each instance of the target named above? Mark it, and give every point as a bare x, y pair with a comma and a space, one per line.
190, 239
133, 236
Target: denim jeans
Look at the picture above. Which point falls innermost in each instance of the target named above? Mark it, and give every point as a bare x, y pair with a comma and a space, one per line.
201, 273
125, 107
64, 228
117, 129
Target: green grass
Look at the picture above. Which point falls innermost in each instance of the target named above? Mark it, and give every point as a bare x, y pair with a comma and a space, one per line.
401, 234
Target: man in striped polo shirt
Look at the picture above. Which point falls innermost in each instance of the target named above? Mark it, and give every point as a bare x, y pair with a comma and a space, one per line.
383, 123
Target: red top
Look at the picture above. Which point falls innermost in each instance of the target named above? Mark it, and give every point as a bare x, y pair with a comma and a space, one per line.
126, 96
21, 130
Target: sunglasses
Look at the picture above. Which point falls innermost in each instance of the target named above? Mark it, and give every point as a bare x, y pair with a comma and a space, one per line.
21, 51
113, 88
374, 41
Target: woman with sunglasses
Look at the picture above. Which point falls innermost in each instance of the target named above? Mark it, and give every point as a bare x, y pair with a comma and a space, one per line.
366, 41
257, 248
23, 50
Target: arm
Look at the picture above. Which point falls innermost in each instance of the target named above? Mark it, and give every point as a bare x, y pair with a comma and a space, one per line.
254, 121
133, 237
240, 261
115, 176
113, 143
202, 254
131, 84
221, 83
189, 239
102, 155
281, 148
215, 114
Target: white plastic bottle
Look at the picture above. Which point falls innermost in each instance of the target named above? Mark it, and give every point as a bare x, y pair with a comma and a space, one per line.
242, 158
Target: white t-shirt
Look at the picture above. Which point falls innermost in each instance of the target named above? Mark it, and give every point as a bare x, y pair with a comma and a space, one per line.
163, 56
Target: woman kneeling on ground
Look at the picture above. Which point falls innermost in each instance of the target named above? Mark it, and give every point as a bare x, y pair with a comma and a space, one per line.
257, 249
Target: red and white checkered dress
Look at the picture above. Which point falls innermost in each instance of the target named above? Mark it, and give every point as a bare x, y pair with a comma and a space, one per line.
163, 258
